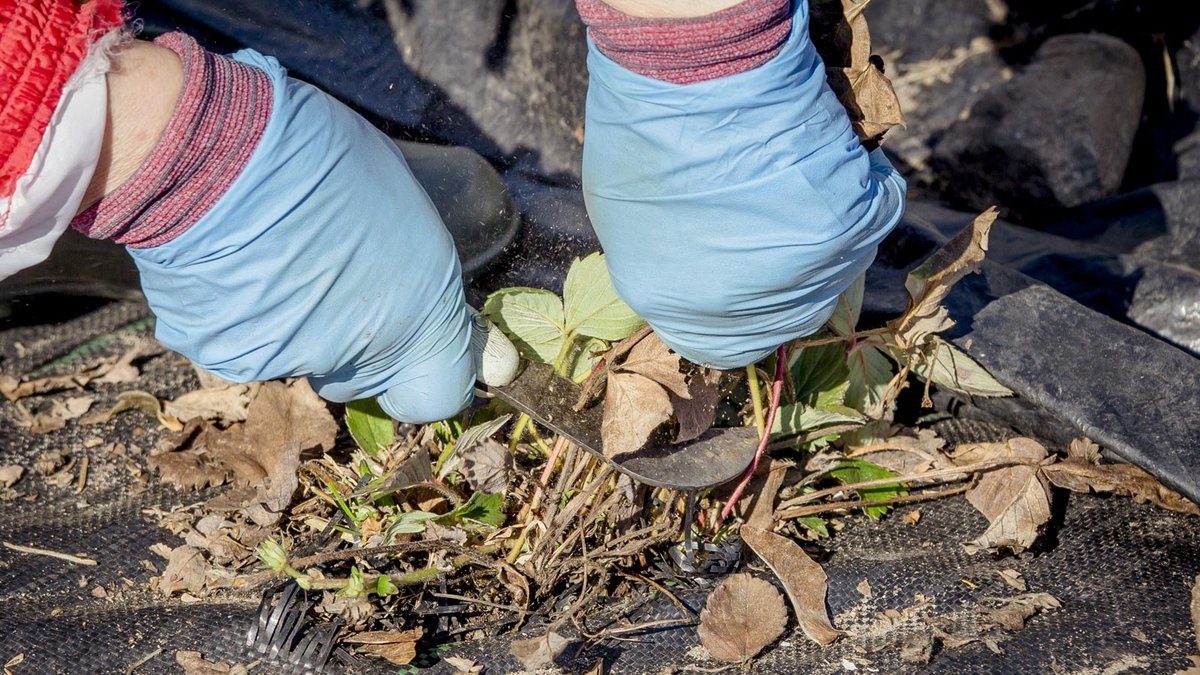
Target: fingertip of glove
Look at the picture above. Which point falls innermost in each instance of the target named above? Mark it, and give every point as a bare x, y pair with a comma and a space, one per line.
420, 405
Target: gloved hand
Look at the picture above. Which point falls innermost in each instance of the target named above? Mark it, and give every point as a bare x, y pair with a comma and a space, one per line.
325, 258
733, 211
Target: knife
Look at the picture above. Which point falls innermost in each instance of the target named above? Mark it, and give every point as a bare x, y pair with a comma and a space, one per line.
716, 457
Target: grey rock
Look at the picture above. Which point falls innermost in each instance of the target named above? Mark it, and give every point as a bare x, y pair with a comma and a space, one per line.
1057, 135
1160, 222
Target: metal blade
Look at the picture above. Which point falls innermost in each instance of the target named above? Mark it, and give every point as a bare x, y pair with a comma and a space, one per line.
718, 456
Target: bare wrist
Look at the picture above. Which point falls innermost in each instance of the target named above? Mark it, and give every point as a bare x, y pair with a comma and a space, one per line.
143, 89
669, 9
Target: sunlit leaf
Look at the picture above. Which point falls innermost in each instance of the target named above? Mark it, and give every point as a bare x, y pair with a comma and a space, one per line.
849, 306
592, 306
870, 374
482, 508
951, 368
854, 470
586, 357
371, 428
532, 318
797, 419
820, 372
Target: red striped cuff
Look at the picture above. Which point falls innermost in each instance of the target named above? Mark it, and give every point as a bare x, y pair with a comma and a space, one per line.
222, 112
685, 51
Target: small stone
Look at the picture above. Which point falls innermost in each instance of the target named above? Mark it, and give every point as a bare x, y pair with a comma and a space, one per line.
1057, 135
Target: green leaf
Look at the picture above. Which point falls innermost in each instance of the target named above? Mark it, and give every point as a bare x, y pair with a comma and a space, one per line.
385, 587
409, 522
820, 373
371, 428
815, 524
870, 374
854, 470
355, 586
532, 318
952, 369
586, 357
481, 508
798, 418
849, 307
592, 306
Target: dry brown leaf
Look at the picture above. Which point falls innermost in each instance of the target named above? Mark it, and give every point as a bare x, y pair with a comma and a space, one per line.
463, 666
1012, 614
225, 404
917, 648
909, 454
195, 664
186, 570
1013, 578
841, 35
397, 646
634, 406
1014, 499
262, 454
538, 653
929, 283
1084, 450
741, 616
56, 416
762, 490
135, 399
654, 359
1195, 610
913, 517
486, 466
802, 578
696, 413
10, 474
188, 470
1082, 472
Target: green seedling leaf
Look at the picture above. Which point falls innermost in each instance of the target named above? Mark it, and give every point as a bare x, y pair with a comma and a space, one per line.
949, 367
410, 522
371, 428
532, 318
356, 586
849, 307
814, 524
385, 587
799, 419
854, 470
592, 306
481, 508
870, 375
820, 376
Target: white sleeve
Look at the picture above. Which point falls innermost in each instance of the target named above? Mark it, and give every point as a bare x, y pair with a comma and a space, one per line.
46, 197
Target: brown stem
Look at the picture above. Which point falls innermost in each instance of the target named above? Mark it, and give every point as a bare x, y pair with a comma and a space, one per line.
814, 509
600, 373
935, 474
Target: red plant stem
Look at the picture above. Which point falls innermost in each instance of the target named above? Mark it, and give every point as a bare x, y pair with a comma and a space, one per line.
776, 395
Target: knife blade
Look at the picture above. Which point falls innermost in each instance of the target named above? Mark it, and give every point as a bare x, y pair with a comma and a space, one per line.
716, 457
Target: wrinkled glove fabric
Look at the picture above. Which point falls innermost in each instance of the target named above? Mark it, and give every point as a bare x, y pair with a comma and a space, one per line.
323, 258
733, 211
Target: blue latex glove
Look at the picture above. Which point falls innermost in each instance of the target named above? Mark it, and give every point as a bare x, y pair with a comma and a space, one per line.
324, 259
734, 211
